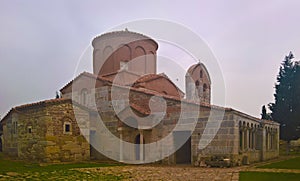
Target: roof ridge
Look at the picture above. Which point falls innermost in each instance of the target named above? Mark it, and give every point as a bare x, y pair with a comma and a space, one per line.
41, 102
121, 32
88, 74
47, 101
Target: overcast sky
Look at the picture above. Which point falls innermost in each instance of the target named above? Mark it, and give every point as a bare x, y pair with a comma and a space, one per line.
41, 42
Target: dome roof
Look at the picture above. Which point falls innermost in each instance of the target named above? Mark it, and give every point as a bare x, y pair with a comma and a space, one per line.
123, 33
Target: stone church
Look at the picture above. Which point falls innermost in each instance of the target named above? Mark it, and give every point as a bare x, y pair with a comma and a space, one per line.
125, 96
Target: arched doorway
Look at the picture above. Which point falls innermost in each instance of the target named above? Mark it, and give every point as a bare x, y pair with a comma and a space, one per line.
183, 154
139, 154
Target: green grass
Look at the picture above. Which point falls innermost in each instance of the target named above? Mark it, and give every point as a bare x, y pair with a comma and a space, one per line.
267, 176
293, 163
12, 170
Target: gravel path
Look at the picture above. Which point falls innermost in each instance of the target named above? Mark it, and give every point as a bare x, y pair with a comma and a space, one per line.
140, 173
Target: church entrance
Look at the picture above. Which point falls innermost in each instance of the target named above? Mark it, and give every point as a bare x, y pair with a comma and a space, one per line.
183, 154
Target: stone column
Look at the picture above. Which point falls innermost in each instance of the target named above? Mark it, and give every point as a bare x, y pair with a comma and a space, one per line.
268, 140
254, 139
141, 145
121, 146
250, 139
244, 139
277, 140
120, 129
263, 143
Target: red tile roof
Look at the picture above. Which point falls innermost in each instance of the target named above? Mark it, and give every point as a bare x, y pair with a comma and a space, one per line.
152, 77
149, 77
87, 74
43, 103
193, 67
30, 105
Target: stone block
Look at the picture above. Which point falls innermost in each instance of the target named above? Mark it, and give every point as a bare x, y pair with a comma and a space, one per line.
52, 149
69, 146
76, 150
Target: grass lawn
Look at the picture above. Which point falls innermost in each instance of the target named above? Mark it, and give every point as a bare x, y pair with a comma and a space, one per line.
293, 163
17, 170
267, 176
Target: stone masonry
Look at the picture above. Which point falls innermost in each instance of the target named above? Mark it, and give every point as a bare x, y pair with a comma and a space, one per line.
35, 132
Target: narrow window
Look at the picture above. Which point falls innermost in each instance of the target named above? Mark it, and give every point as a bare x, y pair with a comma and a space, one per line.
123, 65
204, 87
201, 74
15, 128
29, 129
84, 96
67, 128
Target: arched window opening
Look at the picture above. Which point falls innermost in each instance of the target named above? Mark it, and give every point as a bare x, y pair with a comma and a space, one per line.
201, 74
197, 83
241, 139
84, 93
140, 65
204, 87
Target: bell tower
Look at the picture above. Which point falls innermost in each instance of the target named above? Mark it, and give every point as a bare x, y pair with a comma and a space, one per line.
198, 84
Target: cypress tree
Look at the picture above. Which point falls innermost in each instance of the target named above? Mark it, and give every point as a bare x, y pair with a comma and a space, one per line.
286, 109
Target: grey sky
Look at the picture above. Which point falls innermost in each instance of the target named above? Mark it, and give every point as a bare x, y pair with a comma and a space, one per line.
41, 42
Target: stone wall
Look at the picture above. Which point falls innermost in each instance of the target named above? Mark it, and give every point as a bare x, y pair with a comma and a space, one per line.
156, 133
258, 140
67, 146
40, 135
225, 144
241, 139
32, 127
10, 137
